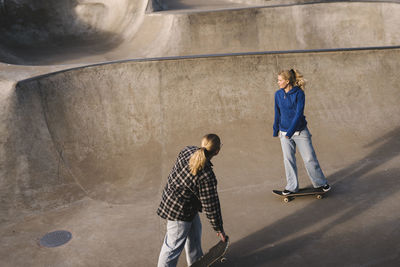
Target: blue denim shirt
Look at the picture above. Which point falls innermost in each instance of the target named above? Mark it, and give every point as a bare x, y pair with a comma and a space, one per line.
289, 111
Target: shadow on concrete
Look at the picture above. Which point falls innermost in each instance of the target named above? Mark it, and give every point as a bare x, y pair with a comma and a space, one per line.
356, 189
47, 32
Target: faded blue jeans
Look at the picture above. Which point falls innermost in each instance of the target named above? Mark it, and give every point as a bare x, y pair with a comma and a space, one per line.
181, 234
304, 144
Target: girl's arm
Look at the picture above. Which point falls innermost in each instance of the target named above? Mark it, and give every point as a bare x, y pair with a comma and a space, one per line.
277, 116
210, 201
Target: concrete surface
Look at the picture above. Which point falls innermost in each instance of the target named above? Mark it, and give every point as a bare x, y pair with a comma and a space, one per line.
88, 150
79, 32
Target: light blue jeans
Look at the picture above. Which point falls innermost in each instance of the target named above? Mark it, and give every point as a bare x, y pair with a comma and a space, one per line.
304, 144
181, 235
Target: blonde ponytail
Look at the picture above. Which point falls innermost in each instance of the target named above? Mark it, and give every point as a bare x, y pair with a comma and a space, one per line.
294, 77
197, 161
210, 146
299, 80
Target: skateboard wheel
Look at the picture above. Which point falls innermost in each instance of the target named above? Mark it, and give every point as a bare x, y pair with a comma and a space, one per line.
223, 259
319, 196
286, 199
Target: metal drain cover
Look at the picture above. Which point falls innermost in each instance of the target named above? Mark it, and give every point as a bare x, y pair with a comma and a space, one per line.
55, 239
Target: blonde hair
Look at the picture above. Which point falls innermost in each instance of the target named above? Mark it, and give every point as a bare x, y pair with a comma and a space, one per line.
294, 77
210, 145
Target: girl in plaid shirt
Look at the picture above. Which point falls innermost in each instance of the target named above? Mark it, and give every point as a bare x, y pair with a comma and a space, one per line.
191, 187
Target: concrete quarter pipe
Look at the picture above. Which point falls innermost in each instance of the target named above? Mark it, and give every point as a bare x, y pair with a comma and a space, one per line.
88, 149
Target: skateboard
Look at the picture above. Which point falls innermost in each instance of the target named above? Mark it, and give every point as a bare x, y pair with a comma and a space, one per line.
215, 253
319, 193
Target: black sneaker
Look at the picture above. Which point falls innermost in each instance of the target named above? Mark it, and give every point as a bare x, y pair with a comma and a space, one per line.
326, 188
286, 192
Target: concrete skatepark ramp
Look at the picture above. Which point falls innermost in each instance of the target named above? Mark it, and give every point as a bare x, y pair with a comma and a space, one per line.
87, 149
89, 31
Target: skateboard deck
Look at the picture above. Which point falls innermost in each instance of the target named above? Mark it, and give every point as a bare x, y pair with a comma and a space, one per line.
319, 193
215, 253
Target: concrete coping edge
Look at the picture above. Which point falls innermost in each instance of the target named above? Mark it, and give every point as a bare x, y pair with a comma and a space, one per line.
301, 51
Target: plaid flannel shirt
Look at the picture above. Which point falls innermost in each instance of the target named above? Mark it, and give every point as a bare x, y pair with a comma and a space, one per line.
185, 194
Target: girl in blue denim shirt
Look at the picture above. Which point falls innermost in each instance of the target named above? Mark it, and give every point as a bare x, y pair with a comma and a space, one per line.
291, 126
